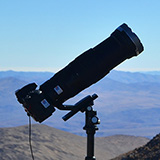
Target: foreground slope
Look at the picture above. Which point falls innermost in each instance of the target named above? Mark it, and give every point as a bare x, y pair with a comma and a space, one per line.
53, 144
150, 151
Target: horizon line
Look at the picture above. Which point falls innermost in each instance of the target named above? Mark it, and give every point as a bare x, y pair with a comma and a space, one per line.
53, 71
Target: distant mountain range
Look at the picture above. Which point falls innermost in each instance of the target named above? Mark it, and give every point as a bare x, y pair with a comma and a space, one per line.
128, 103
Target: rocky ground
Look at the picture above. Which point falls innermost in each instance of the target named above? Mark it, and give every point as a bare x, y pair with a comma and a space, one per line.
150, 151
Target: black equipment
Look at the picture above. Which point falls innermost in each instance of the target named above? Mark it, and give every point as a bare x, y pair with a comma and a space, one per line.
85, 70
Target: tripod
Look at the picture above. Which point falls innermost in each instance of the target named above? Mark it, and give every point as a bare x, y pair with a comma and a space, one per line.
91, 121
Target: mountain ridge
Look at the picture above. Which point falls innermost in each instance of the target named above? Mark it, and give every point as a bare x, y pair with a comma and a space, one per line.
49, 143
121, 76
118, 105
149, 151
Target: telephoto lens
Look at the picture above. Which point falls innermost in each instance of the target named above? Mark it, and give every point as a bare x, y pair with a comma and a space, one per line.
92, 65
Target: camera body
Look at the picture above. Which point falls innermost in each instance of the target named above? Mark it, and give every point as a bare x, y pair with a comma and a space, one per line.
35, 102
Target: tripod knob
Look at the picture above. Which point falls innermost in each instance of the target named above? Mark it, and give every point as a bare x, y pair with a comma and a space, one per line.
95, 120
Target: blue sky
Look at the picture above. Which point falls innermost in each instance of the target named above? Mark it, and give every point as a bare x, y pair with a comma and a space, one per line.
45, 35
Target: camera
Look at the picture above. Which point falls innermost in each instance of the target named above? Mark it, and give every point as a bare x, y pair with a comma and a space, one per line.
35, 102
87, 69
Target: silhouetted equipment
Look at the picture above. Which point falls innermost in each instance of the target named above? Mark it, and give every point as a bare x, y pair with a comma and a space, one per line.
85, 70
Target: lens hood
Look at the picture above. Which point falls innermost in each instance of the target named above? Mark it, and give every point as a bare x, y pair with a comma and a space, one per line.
133, 37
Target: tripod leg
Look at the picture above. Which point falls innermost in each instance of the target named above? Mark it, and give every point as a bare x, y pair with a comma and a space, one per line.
90, 145
91, 127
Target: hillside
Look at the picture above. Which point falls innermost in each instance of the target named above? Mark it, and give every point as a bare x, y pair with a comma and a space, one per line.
53, 144
150, 151
126, 103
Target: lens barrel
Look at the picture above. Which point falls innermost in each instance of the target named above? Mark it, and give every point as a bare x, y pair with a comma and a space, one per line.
92, 65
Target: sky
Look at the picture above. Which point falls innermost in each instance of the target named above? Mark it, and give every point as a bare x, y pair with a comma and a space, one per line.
45, 35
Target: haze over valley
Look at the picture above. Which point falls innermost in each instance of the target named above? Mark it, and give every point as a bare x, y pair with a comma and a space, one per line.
128, 103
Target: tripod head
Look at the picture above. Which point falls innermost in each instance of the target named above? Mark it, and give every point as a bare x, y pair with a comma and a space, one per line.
80, 106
